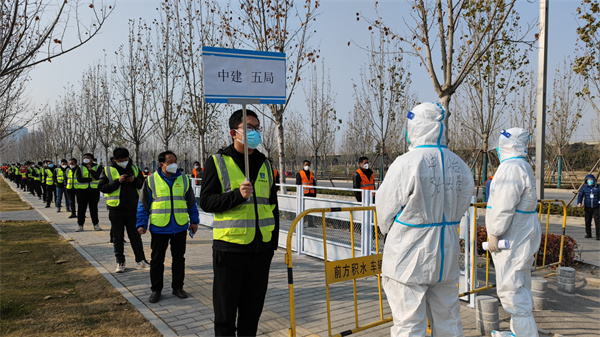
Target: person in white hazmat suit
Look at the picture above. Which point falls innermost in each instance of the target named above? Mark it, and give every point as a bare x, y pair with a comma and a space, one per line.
419, 205
511, 216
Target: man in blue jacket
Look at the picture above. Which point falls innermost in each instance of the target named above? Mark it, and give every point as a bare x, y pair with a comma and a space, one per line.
590, 195
168, 201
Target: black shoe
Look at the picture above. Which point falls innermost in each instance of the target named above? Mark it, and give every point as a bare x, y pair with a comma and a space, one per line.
155, 297
72, 216
180, 293
597, 237
47, 206
587, 236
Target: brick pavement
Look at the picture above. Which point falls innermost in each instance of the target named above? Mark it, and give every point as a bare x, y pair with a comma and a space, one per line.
574, 315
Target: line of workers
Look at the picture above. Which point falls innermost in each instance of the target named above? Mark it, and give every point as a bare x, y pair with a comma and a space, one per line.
78, 184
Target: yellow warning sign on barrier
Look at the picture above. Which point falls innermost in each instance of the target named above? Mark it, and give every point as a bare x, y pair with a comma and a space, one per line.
350, 269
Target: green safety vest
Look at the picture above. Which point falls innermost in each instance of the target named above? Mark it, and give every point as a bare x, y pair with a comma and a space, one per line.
238, 225
43, 175
168, 200
113, 198
60, 175
37, 171
24, 174
85, 173
94, 183
70, 178
49, 177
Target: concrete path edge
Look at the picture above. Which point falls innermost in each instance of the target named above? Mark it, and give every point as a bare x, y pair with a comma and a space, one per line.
158, 323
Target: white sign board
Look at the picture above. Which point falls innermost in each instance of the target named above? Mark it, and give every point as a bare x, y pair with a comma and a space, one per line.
243, 75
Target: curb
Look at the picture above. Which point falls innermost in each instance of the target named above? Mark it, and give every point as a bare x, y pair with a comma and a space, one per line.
158, 323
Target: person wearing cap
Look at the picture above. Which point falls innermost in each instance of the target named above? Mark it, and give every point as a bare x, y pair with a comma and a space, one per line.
511, 216
419, 206
589, 198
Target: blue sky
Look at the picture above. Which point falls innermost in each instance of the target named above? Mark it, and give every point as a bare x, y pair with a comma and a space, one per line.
336, 25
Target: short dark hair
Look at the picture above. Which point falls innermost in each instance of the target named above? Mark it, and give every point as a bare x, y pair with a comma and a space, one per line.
306, 161
88, 154
40, 163
163, 156
120, 153
73, 159
361, 159
236, 118
196, 162
63, 161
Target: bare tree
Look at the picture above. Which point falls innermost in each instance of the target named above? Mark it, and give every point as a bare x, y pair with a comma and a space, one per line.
438, 24
134, 81
96, 90
383, 91
564, 112
279, 26
196, 27
588, 63
167, 111
487, 90
322, 120
32, 32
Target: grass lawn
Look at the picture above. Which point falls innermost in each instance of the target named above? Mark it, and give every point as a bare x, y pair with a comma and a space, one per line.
48, 289
9, 200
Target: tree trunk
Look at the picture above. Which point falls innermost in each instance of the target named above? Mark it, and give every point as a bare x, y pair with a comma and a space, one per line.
445, 102
280, 145
201, 149
137, 152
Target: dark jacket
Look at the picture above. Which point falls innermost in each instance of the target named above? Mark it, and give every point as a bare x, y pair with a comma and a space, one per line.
129, 195
591, 194
356, 180
55, 177
213, 201
95, 174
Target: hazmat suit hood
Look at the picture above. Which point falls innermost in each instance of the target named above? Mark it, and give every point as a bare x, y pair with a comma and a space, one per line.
425, 125
512, 143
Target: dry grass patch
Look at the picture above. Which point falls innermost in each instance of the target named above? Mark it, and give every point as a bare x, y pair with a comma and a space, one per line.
49, 289
10, 200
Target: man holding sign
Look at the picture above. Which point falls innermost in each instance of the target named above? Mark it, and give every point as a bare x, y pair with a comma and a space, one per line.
245, 227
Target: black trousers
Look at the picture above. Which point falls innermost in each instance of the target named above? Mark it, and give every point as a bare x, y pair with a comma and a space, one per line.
589, 214
159, 245
44, 191
37, 188
239, 289
50, 191
85, 197
121, 221
72, 195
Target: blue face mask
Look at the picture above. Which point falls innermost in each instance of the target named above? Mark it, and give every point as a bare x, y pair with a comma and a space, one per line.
51, 165
590, 182
254, 139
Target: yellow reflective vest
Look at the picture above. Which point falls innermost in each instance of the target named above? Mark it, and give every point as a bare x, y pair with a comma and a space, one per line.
238, 225
70, 178
113, 199
94, 183
85, 173
49, 177
167, 200
60, 175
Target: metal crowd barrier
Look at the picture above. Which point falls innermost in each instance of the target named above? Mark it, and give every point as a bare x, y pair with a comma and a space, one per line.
474, 289
340, 270
562, 237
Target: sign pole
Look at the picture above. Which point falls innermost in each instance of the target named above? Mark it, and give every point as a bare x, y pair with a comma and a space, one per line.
246, 161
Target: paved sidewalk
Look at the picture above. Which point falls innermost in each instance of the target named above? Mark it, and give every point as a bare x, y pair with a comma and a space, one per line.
568, 315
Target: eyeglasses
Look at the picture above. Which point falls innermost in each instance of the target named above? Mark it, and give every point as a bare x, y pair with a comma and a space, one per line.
251, 128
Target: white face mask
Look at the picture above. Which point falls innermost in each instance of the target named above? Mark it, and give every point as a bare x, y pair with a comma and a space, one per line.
86, 161
172, 168
64, 166
72, 166
306, 168
123, 164
196, 166
366, 166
